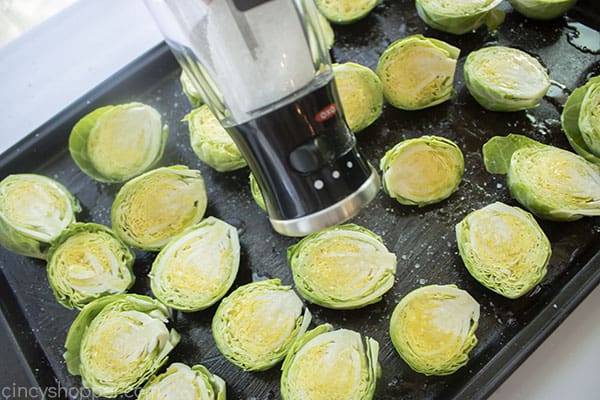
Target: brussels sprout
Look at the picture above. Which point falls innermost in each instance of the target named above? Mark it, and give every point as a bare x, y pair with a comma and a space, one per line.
211, 142
88, 261
152, 208
34, 210
552, 183
182, 382
117, 342
257, 323
361, 94
417, 72
346, 11
342, 267
327, 30
190, 91
197, 267
327, 364
504, 248
581, 122
256, 193
462, 16
505, 79
422, 171
116, 143
542, 9
433, 328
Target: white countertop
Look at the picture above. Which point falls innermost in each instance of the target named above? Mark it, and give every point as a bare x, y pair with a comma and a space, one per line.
51, 66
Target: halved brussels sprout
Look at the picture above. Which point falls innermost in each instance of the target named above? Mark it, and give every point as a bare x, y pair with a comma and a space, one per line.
422, 171
197, 267
34, 210
255, 326
211, 142
342, 267
328, 33
542, 9
361, 94
117, 342
504, 248
256, 193
88, 261
505, 79
328, 364
346, 11
581, 120
552, 183
182, 382
433, 328
190, 91
116, 143
417, 72
152, 208
460, 16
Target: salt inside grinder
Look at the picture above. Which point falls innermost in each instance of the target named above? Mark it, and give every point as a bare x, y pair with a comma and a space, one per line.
264, 70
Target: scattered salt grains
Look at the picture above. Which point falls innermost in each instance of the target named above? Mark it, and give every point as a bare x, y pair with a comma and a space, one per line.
499, 186
422, 281
404, 257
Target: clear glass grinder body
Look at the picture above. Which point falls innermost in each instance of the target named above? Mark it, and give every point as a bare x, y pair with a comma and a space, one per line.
264, 70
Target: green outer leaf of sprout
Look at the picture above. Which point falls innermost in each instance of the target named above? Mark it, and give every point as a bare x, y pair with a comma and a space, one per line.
145, 318
433, 329
439, 174
197, 267
542, 9
256, 193
346, 11
190, 91
88, 261
361, 94
246, 338
211, 142
505, 79
406, 83
328, 267
165, 201
448, 17
34, 211
511, 263
498, 151
316, 364
182, 382
99, 129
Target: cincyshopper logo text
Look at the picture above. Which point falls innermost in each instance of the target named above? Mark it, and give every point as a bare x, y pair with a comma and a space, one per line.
59, 391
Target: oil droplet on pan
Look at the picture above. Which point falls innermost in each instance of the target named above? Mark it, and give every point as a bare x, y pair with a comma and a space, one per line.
583, 37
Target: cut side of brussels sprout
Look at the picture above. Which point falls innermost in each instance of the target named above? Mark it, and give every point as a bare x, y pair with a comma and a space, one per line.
542, 9
552, 183
190, 91
88, 261
361, 94
152, 208
505, 79
328, 364
504, 248
417, 72
460, 16
197, 267
182, 382
342, 267
581, 120
422, 171
117, 342
34, 211
211, 142
255, 326
256, 193
433, 329
346, 11
116, 143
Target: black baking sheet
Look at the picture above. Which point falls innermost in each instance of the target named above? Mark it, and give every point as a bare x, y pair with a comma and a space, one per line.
422, 238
